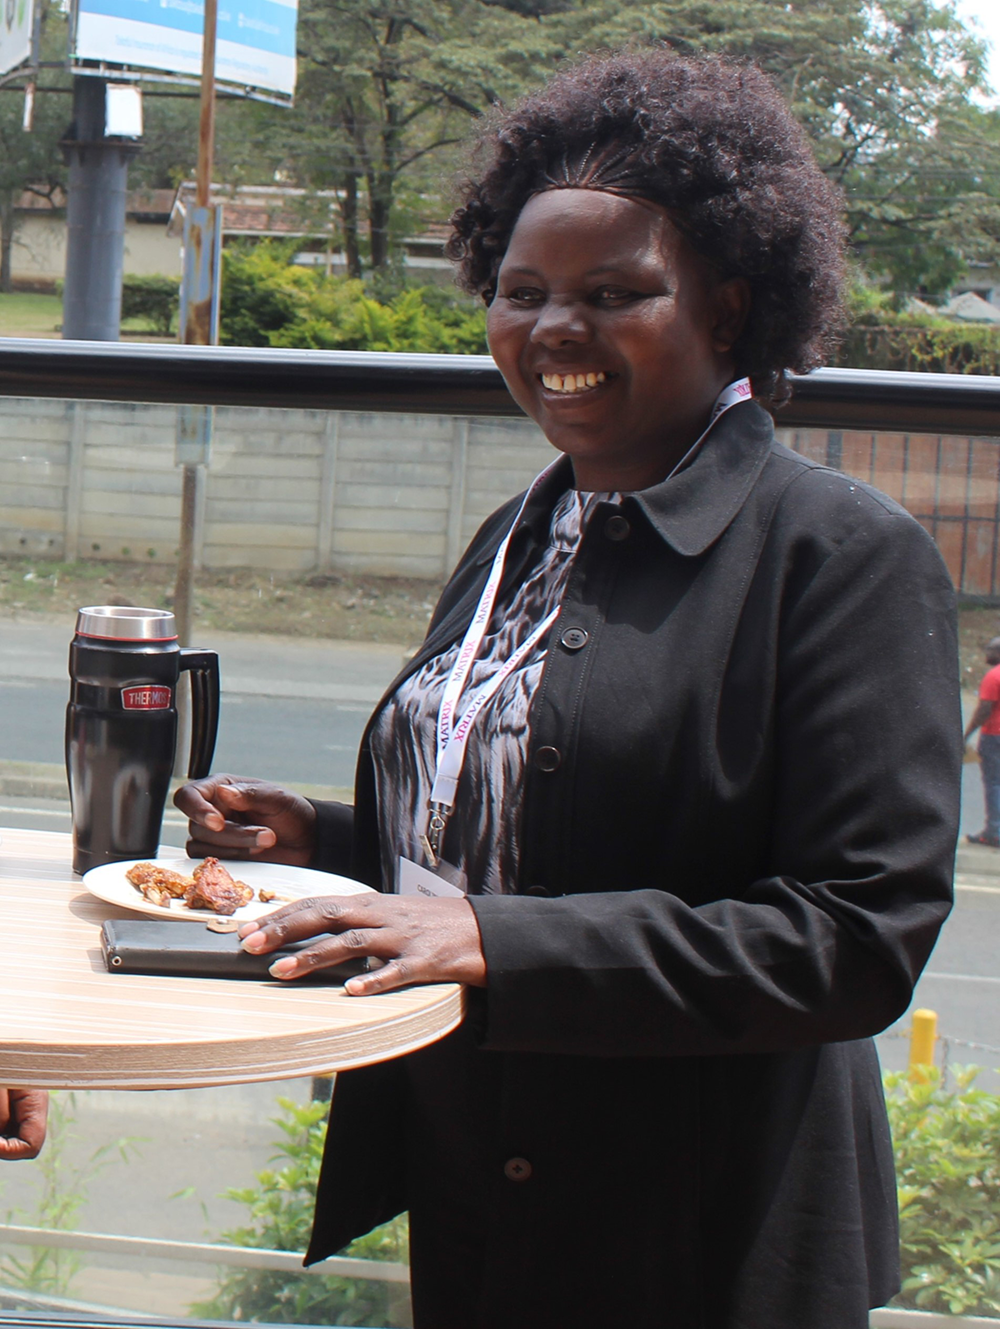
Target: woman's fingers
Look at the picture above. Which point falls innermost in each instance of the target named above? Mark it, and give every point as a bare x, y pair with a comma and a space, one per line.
210, 802
195, 800
231, 836
417, 940
236, 817
297, 921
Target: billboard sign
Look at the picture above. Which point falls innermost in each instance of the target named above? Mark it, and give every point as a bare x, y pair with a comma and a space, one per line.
255, 42
15, 33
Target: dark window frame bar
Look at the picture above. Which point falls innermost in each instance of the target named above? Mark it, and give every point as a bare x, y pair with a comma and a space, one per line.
844, 399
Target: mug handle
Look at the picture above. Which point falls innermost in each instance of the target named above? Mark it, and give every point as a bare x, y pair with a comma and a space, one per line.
204, 670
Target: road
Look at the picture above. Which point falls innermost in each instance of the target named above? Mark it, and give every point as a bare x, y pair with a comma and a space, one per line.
307, 740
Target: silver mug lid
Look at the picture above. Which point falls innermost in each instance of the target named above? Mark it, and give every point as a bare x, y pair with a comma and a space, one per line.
125, 623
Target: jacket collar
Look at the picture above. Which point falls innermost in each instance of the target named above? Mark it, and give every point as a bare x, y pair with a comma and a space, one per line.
691, 510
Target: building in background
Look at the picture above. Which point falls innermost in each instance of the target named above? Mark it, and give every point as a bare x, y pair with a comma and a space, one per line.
38, 257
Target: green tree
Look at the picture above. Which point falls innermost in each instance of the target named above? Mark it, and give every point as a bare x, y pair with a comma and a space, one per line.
888, 94
386, 89
32, 162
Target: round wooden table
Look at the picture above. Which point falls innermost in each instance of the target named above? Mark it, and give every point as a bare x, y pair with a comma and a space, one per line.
66, 1023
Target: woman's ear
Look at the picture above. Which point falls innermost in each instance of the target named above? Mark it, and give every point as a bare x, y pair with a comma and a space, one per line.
732, 307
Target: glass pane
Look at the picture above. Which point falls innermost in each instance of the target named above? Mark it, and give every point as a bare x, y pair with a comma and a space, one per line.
321, 540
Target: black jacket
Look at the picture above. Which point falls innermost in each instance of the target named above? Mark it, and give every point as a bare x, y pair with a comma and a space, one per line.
737, 850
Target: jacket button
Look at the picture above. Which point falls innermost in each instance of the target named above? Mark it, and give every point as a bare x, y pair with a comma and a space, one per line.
574, 638
517, 1169
537, 890
547, 759
617, 528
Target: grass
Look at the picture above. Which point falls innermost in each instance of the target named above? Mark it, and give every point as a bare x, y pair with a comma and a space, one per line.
375, 609
379, 609
30, 314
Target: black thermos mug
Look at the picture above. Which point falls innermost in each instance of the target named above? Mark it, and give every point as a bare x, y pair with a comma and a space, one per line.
121, 728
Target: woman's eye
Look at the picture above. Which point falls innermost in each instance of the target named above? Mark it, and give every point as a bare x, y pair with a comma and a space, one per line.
612, 295
525, 295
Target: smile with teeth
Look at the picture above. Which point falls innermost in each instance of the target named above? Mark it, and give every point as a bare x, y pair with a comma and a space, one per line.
572, 382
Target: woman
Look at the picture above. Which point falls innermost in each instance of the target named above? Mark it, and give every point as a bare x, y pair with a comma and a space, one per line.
694, 847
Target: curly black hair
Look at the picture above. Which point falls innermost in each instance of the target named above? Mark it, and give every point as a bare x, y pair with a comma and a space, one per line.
714, 143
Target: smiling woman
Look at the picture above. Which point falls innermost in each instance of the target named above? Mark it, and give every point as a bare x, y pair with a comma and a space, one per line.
612, 334
627, 790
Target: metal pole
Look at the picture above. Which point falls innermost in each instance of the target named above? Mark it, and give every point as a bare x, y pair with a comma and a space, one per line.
199, 324
206, 122
95, 218
199, 320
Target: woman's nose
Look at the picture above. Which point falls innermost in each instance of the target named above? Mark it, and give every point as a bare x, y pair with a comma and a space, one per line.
561, 321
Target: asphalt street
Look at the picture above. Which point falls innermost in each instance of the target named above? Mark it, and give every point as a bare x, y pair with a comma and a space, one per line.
307, 740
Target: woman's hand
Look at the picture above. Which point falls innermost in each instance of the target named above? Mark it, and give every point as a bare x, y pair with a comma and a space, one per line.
23, 1116
232, 817
419, 940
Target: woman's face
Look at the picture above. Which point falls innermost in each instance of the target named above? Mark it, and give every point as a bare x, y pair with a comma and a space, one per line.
612, 334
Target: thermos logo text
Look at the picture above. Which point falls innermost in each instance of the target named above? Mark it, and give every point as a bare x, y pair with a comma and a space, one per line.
146, 699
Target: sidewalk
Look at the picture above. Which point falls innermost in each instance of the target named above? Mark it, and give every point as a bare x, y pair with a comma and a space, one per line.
977, 866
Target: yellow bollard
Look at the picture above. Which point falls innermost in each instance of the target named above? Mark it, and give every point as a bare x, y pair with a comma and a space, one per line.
922, 1038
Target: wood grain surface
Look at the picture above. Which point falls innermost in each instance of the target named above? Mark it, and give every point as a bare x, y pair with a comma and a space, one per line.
66, 1023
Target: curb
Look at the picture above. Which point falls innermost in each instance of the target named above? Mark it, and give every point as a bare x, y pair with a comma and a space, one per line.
47, 780
33, 779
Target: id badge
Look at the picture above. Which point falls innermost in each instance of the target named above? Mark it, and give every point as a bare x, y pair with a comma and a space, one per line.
415, 879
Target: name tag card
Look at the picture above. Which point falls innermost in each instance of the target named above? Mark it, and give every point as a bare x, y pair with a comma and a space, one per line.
413, 879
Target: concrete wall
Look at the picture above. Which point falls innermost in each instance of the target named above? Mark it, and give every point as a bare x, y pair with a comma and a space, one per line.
291, 491
298, 491
38, 254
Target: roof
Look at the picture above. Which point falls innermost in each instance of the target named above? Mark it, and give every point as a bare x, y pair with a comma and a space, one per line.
151, 203
971, 308
260, 209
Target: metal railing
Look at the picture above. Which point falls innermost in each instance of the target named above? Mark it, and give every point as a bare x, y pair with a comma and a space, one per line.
444, 384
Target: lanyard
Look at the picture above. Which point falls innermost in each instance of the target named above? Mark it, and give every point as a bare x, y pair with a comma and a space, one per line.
452, 734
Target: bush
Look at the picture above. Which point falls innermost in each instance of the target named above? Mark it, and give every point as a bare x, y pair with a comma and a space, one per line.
155, 299
281, 1208
268, 301
948, 1172
935, 346
884, 334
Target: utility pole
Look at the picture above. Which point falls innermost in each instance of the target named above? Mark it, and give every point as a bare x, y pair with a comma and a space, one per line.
199, 326
95, 216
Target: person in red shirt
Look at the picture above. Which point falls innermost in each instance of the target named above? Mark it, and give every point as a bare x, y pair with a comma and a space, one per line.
986, 717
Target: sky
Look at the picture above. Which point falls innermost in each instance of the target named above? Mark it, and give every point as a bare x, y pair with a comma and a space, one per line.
988, 14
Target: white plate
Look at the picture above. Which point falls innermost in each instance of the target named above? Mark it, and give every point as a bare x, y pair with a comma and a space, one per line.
109, 883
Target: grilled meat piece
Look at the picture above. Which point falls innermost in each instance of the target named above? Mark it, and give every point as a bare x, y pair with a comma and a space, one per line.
164, 879
266, 896
213, 888
157, 895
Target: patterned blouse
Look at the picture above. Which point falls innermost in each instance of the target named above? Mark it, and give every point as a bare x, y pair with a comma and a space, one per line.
481, 838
